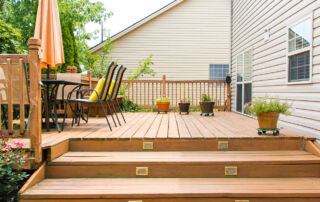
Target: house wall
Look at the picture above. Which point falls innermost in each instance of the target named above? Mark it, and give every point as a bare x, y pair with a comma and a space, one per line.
249, 19
183, 40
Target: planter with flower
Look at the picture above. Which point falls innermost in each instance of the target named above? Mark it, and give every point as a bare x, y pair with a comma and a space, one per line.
163, 104
206, 105
267, 110
184, 105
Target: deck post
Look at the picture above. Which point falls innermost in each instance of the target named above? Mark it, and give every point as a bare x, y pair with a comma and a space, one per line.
164, 86
35, 98
228, 93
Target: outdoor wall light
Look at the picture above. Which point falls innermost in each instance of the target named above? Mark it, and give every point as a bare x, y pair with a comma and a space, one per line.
266, 33
228, 78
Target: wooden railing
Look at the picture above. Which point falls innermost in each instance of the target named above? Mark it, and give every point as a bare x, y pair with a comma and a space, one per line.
14, 92
145, 92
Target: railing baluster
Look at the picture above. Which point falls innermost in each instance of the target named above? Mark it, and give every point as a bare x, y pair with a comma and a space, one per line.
9, 98
216, 92
220, 93
22, 97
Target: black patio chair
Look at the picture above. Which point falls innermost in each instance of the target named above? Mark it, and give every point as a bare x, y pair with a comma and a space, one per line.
113, 97
103, 96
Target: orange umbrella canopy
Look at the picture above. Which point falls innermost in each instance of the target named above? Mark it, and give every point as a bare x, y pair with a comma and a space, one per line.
48, 29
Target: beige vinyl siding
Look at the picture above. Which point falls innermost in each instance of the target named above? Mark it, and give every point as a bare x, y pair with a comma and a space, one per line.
269, 74
184, 40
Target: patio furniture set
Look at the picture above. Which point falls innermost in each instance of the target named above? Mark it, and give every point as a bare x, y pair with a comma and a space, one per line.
106, 91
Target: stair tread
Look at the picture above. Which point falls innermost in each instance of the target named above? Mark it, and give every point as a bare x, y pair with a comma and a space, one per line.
169, 187
186, 156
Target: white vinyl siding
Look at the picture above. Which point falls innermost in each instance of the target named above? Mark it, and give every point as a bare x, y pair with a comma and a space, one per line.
250, 19
184, 40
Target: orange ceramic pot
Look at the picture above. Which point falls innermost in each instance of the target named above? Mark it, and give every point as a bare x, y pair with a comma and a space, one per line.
268, 121
163, 106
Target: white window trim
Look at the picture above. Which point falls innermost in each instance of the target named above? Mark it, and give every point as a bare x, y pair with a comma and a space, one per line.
310, 48
243, 81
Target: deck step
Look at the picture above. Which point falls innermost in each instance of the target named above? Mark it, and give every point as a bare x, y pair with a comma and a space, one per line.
175, 189
194, 164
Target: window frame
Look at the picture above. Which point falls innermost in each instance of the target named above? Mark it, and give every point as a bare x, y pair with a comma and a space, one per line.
243, 82
297, 52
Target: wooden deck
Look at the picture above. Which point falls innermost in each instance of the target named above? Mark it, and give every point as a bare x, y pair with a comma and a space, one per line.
91, 163
164, 126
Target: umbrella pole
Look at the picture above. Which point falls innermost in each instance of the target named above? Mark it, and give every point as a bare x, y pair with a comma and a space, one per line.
47, 102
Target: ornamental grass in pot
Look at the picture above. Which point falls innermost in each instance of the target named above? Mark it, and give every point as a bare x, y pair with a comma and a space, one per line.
206, 105
163, 104
184, 105
267, 110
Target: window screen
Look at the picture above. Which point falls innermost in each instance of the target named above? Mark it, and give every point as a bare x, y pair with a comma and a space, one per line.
299, 67
218, 71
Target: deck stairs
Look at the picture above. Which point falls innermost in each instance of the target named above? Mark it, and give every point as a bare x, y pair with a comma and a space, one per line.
174, 171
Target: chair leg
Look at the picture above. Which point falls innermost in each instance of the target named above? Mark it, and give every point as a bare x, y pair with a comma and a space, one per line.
111, 113
105, 114
120, 110
114, 109
64, 116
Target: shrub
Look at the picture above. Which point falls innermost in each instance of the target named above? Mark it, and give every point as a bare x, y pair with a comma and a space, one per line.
12, 158
163, 100
184, 100
128, 106
205, 98
267, 104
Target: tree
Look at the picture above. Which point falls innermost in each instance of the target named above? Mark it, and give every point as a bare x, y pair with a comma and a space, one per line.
74, 14
9, 39
143, 69
21, 15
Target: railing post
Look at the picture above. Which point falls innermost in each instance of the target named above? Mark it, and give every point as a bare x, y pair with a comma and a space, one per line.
228, 81
35, 98
164, 86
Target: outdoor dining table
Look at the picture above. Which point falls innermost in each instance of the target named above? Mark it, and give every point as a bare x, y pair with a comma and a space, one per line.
52, 97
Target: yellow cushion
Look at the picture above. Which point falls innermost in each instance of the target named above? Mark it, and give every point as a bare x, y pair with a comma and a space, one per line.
98, 88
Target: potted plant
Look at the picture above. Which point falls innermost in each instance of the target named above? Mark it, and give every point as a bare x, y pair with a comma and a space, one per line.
206, 105
267, 110
163, 104
184, 105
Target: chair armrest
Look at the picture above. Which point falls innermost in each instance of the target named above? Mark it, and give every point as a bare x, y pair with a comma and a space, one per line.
81, 91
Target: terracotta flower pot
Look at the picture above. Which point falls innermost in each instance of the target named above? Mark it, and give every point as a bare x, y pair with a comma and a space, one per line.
163, 106
184, 107
268, 121
207, 107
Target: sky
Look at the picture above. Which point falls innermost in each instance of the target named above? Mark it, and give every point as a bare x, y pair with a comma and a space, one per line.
125, 13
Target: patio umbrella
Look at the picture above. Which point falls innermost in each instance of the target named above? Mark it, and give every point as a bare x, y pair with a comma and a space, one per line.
48, 29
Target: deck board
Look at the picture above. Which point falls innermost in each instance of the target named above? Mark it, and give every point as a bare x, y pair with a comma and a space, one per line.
175, 187
171, 126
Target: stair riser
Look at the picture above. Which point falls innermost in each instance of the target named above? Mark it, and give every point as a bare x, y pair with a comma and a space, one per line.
183, 170
182, 200
245, 144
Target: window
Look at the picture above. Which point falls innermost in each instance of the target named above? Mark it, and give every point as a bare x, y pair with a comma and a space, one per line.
218, 71
299, 49
244, 77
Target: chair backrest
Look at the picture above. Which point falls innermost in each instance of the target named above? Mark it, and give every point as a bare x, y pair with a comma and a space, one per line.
108, 80
118, 81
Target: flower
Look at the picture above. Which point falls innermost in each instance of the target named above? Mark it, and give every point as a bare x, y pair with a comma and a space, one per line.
251, 106
245, 105
267, 102
180, 100
5, 160
19, 144
9, 147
